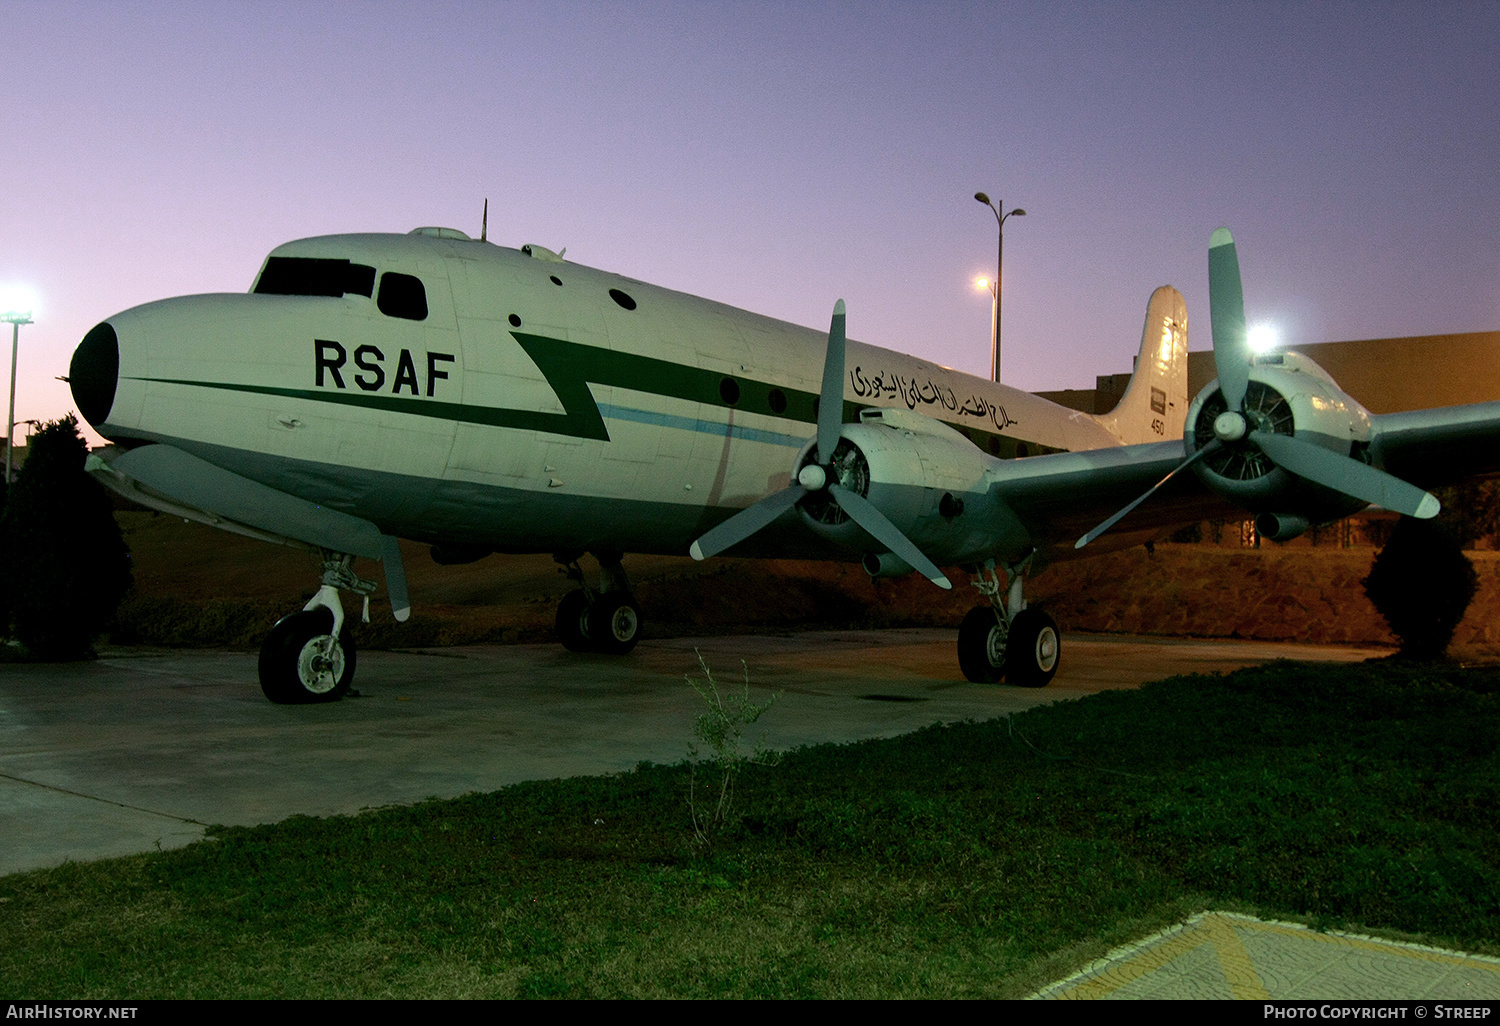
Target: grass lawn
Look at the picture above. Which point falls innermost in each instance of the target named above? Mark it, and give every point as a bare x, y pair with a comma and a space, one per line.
963, 861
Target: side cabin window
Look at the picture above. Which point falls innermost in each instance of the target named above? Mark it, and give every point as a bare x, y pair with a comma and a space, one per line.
314, 276
402, 295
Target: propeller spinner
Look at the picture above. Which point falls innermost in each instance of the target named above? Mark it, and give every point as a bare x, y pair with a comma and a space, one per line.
1242, 426
820, 475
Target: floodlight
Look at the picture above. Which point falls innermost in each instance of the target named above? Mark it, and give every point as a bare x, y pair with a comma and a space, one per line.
17, 304
1261, 338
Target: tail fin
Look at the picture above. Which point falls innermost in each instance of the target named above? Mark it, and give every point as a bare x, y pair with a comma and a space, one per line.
1155, 403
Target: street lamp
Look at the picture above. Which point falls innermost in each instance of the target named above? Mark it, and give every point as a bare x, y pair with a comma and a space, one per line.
16, 319
994, 286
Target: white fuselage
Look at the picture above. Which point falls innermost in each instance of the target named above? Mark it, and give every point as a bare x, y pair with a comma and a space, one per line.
538, 405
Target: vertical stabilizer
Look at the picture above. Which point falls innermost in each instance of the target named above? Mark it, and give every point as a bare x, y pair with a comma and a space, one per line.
1155, 403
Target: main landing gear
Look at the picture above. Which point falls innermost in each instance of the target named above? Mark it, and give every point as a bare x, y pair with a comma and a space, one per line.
1005, 638
309, 656
606, 619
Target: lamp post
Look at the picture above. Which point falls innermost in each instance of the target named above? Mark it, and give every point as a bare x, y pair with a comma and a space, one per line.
1000, 220
16, 319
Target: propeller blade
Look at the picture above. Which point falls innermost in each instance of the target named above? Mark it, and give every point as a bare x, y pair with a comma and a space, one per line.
875, 524
746, 522
1344, 474
1226, 305
831, 397
830, 427
1212, 446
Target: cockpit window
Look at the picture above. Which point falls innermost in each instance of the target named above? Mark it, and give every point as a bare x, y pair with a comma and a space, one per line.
402, 295
315, 276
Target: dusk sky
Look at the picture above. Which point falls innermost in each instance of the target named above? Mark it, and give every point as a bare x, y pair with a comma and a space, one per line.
776, 156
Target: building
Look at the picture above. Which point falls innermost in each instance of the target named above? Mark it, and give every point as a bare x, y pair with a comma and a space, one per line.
1386, 375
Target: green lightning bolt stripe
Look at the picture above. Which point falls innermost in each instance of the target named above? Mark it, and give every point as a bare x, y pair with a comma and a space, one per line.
569, 368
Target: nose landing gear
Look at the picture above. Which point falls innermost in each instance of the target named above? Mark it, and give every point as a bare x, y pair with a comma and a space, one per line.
309, 656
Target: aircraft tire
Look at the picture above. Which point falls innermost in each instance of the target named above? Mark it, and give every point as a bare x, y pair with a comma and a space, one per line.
981, 646
615, 623
1033, 650
293, 667
573, 627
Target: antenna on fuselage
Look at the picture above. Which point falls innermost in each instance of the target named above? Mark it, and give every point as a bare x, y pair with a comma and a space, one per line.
484, 224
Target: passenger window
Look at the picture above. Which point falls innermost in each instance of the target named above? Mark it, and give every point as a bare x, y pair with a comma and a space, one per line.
402, 295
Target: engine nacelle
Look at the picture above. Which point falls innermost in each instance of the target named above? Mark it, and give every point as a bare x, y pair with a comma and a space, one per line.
1288, 394
926, 478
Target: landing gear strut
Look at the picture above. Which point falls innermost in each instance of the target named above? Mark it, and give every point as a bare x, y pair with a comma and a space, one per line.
606, 620
309, 656
1006, 638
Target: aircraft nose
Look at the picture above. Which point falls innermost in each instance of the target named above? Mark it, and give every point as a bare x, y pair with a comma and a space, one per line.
94, 373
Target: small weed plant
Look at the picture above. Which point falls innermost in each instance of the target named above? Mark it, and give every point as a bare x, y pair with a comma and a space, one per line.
721, 730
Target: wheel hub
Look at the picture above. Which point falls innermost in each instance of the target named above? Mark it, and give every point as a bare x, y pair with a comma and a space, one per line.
320, 664
1046, 649
995, 645
624, 623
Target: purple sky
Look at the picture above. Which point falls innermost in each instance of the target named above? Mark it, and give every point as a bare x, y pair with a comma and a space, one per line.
776, 157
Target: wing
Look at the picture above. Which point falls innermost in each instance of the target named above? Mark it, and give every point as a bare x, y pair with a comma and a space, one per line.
1059, 497
1436, 447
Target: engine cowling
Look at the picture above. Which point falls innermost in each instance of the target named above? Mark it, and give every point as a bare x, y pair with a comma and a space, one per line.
923, 476
1287, 394
1274, 434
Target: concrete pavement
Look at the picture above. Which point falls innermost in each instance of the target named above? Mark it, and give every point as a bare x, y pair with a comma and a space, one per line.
142, 748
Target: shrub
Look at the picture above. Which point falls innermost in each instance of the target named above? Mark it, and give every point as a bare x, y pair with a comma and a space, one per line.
1421, 583
66, 564
1471, 511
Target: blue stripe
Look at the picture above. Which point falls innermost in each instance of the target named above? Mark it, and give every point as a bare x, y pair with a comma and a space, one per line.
707, 427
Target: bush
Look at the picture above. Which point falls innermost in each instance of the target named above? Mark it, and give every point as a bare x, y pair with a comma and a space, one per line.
66, 564
1471, 511
1421, 583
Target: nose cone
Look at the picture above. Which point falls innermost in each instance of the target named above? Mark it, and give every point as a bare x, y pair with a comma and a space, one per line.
94, 373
